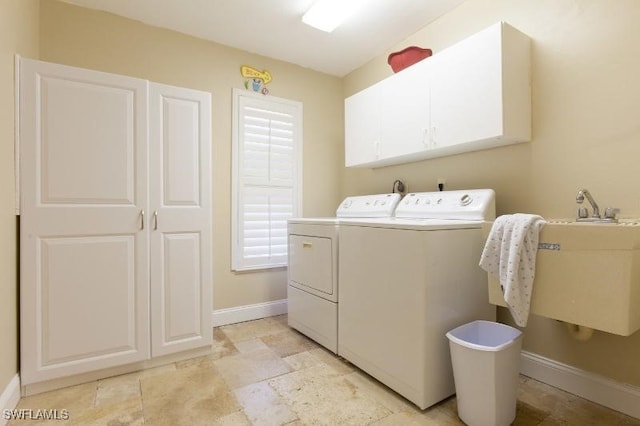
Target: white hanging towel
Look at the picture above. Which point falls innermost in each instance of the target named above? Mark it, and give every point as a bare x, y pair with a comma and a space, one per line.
510, 255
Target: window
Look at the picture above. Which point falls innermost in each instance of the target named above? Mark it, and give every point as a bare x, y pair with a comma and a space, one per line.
267, 184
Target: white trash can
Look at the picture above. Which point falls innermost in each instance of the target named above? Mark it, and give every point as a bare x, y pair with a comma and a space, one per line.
486, 364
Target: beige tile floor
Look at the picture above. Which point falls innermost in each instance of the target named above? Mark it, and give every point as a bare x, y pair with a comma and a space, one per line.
264, 373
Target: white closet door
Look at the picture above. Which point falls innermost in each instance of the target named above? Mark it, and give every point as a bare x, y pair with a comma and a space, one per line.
84, 254
180, 207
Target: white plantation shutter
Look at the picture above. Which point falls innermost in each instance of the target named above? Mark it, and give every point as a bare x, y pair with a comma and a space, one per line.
266, 187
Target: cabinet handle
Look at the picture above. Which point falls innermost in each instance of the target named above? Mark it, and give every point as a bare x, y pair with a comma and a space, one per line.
433, 136
425, 136
142, 219
307, 244
155, 220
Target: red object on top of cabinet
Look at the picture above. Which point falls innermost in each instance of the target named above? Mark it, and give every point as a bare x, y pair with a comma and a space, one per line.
407, 57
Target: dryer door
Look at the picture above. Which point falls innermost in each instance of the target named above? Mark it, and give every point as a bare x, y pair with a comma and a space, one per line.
311, 265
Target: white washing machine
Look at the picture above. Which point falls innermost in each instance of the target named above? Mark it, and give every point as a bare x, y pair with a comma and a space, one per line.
312, 291
407, 280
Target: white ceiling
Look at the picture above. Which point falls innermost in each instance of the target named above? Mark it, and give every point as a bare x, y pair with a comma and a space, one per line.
274, 28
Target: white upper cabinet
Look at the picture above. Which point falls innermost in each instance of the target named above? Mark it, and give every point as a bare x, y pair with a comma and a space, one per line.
363, 114
480, 90
388, 119
405, 112
473, 95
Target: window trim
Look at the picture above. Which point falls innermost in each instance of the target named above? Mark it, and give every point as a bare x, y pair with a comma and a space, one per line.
237, 260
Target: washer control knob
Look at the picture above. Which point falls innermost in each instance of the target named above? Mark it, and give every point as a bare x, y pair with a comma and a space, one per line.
465, 200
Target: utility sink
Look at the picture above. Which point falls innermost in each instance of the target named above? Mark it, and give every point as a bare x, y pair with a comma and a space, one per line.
586, 274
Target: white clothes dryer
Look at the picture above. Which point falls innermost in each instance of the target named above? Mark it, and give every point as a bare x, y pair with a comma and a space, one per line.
312, 290
405, 281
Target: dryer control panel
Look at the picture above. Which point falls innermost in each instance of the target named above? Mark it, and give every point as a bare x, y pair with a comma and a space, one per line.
472, 204
378, 205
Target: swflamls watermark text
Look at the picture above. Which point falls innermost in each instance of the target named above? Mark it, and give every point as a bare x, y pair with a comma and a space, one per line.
35, 414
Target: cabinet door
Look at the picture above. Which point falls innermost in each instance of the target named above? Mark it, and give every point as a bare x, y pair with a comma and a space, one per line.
405, 112
180, 219
362, 116
83, 250
466, 90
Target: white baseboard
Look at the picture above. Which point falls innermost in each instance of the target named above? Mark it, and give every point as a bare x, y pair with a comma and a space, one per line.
248, 312
9, 397
599, 389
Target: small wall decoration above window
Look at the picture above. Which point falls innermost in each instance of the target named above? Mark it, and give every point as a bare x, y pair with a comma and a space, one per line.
256, 80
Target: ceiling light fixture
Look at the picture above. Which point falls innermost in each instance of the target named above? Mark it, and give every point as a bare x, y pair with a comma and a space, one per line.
326, 15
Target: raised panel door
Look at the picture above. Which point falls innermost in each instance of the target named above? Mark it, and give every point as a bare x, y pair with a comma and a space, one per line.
180, 222
84, 252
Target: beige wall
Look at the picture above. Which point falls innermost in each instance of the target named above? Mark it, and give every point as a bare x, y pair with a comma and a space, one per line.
18, 34
586, 134
97, 40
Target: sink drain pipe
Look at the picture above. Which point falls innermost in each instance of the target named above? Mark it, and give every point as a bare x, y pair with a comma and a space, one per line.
579, 332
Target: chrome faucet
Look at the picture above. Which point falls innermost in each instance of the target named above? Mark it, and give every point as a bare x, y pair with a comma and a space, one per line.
583, 214
580, 198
